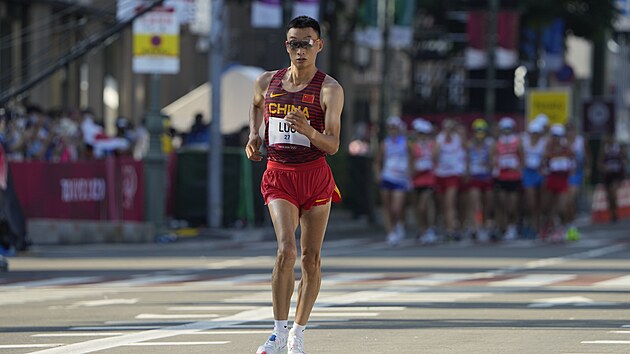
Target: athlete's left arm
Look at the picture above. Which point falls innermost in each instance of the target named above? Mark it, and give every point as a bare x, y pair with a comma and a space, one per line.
332, 99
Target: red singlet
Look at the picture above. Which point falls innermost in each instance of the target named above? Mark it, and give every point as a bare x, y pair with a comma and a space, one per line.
283, 143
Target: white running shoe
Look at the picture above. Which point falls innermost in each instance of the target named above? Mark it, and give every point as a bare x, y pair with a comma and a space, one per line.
274, 345
400, 231
483, 236
429, 237
295, 344
511, 233
392, 239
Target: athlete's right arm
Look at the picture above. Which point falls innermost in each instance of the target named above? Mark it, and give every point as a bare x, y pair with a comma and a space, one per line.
256, 111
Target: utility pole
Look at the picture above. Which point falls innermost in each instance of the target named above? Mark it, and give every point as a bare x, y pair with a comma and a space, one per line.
218, 30
491, 70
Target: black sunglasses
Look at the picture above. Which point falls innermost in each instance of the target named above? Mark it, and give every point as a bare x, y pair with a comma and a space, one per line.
306, 43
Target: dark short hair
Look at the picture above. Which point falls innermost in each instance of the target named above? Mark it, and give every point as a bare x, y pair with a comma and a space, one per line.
304, 22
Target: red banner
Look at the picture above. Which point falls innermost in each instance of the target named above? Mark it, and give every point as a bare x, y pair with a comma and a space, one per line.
110, 189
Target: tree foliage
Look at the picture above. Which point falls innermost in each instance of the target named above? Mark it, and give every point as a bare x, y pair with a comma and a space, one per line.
584, 18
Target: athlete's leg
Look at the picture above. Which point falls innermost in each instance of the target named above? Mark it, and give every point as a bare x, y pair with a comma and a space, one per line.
386, 201
501, 209
450, 209
563, 207
531, 206
488, 208
422, 205
285, 218
475, 207
314, 222
397, 207
512, 206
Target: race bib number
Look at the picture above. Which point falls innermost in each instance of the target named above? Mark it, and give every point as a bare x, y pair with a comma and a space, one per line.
281, 132
397, 165
533, 161
560, 164
423, 164
478, 169
508, 162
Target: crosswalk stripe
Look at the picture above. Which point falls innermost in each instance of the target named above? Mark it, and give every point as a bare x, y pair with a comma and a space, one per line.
433, 279
493, 279
26, 346
53, 282
147, 280
620, 282
349, 278
78, 334
533, 280
155, 344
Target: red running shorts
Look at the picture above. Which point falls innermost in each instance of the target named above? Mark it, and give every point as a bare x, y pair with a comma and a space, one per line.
557, 183
445, 183
305, 185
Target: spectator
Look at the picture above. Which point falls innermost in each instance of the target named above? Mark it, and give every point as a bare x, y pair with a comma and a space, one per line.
198, 132
37, 136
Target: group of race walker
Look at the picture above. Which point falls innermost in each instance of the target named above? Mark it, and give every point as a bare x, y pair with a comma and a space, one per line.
485, 187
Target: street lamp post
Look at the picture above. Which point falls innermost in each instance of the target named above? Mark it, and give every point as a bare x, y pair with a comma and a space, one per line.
155, 162
216, 38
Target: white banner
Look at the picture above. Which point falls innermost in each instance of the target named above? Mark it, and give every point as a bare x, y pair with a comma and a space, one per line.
185, 9
267, 14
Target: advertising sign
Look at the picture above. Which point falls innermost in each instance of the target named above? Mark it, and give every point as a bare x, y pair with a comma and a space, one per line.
555, 103
156, 42
88, 190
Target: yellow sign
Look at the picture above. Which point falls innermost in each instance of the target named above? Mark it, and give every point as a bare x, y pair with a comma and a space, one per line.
555, 103
156, 44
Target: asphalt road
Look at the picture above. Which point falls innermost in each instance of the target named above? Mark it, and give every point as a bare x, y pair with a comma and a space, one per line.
204, 296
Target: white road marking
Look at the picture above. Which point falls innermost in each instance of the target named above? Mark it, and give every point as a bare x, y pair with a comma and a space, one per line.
533, 280
578, 301
26, 346
430, 297
360, 308
146, 279
233, 263
23, 296
52, 282
79, 334
620, 282
345, 314
155, 344
234, 332
249, 278
157, 316
210, 308
162, 332
103, 302
433, 279
116, 328
349, 278
606, 342
621, 332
